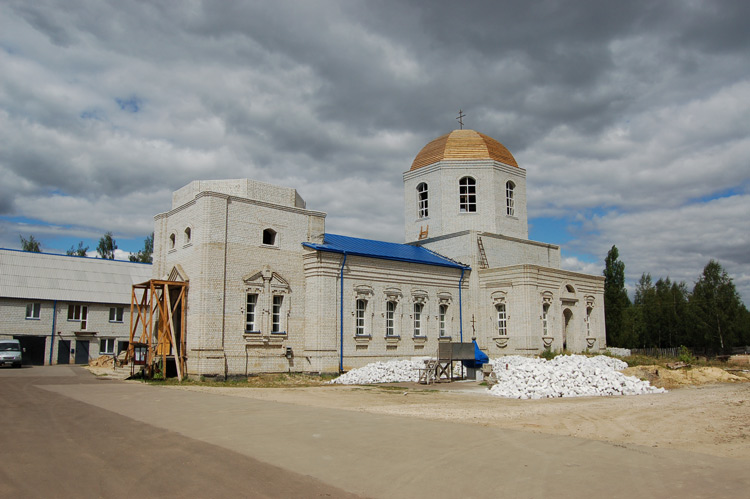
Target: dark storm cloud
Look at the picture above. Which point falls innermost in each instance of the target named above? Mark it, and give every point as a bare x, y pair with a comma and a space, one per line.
623, 108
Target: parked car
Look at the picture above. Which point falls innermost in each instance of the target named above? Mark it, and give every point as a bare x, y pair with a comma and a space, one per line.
11, 353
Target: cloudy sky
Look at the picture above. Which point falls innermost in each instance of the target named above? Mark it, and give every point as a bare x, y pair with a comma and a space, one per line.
632, 118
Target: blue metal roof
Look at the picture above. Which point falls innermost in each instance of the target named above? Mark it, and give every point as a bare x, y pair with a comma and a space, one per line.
380, 249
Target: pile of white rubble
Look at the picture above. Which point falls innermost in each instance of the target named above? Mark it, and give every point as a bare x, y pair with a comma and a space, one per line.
393, 371
564, 376
524, 377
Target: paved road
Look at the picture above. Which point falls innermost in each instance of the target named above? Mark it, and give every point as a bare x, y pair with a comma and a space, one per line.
52, 445
140, 435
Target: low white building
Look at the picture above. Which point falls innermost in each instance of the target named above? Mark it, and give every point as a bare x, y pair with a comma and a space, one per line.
66, 309
270, 290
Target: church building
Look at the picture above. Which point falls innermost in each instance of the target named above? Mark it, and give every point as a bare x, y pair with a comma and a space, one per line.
270, 291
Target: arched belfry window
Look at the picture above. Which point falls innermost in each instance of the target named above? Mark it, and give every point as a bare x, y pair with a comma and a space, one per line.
172, 240
269, 237
510, 209
467, 195
188, 235
422, 204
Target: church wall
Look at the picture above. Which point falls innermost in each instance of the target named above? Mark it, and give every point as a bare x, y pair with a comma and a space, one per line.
525, 289
379, 281
226, 248
503, 251
515, 225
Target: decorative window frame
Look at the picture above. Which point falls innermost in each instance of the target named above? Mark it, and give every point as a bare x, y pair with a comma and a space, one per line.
444, 298
266, 284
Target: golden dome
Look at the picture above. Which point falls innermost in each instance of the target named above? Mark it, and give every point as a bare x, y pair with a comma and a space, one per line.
463, 145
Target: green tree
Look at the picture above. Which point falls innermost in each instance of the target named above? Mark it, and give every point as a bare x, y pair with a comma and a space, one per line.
107, 247
30, 244
716, 310
146, 254
644, 301
80, 251
616, 300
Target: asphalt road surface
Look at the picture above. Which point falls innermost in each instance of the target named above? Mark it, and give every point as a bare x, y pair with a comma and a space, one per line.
52, 445
66, 433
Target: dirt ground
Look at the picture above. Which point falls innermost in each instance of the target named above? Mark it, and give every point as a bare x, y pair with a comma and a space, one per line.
706, 410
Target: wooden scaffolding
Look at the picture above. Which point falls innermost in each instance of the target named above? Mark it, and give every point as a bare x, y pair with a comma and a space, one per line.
157, 325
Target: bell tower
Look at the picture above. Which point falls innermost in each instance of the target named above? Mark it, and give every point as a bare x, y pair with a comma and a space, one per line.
463, 181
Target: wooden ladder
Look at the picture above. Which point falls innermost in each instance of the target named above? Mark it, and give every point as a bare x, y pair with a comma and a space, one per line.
483, 264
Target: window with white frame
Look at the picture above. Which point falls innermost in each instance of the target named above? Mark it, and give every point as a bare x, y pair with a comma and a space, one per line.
545, 319
510, 209
107, 346
418, 307
443, 312
467, 195
33, 311
115, 314
78, 313
422, 204
278, 300
390, 314
502, 319
361, 309
250, 325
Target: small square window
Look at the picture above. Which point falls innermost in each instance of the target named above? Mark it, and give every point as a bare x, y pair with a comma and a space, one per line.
115, 314
107, 346
33, 310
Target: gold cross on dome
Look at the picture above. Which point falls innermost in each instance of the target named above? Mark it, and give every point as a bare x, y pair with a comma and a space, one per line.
461, 118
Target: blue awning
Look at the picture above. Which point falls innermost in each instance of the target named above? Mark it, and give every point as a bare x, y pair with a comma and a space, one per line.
380, 249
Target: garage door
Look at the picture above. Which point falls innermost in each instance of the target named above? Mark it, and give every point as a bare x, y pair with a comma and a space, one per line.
34, 346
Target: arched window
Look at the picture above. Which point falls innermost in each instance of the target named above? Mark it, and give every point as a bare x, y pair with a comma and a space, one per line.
588, 321
390, 313
443, 313
269, 237
467, 195
360, 324
172, 240
422, 205
502, 320
188, 235
418, 307
545, 319
509, 203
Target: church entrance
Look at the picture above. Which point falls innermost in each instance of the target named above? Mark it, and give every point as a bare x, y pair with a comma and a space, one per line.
567, 316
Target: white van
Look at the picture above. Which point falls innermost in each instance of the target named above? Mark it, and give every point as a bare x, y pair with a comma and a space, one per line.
10, 353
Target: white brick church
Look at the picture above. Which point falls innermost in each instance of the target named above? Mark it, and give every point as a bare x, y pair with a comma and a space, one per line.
271, 291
